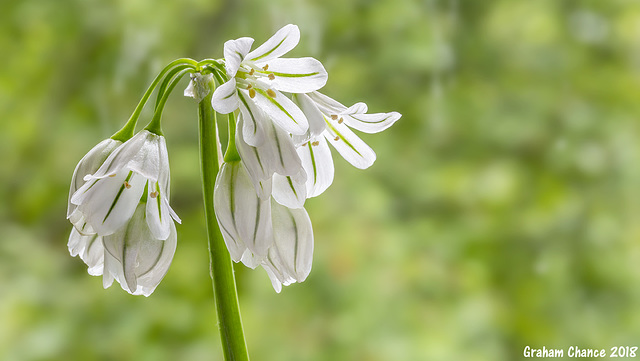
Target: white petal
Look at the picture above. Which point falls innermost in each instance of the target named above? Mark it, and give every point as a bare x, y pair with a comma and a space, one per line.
107, 203
357, 108
241, 214
250, 260
152, 160
121, 157
280, 151
314, 117
317, 162
275, 282
234, 53
281, 110
255, 161
252, 131
279, 44
90, 250
371, 123
349, 145
225, 99
293, 239
89, 164
290, 191
149, 251
158, 215
297, 75
79, 222
329, 105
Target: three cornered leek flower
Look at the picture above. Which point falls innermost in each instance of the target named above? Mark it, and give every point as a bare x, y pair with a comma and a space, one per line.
257, 79
123, 224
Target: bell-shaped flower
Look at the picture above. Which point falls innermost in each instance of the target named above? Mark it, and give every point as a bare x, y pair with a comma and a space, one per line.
133, 256
89, 164
244, 218
257, 78
290, 256
107, 200
338, 119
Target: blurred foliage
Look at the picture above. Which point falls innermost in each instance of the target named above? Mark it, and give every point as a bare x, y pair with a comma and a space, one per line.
502, 210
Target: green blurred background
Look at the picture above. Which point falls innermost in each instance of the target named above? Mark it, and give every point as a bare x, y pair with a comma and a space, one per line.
503, 209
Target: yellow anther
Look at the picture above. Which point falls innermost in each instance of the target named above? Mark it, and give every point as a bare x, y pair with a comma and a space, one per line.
252, 71
334, 117
315, 143
265, 67
127, 185
271, 76
112, 175
340, 120
271, 93
249, 86
337, 138
153, 194
304, 144
252, 92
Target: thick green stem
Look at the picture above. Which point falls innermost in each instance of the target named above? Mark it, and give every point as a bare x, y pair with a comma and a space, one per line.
224, 284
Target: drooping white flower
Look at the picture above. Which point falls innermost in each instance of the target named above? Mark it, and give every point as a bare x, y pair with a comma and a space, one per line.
338, 119
109, 197
88, 165
244, 218
257, 78
132, 255
290, 256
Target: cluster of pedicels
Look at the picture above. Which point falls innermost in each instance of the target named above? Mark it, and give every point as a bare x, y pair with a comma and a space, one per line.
277, 157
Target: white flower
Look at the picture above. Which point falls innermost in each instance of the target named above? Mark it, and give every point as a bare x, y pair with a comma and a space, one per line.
107, 200
244, 218
262, 231
290, 256
338, 119
88, 165
132, 255
257, 78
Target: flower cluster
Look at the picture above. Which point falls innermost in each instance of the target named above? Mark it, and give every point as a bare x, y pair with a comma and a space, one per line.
119, 207
283, 131
278, 156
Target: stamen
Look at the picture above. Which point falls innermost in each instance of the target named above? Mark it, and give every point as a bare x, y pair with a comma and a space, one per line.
340, 120
153, 194
252, 71
265, 67
252, 93
316, 143
337, 138
334, 117
249, 86
271, 76
304, 144
127, 185
271, 93
112, 175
